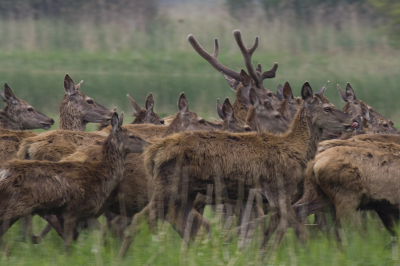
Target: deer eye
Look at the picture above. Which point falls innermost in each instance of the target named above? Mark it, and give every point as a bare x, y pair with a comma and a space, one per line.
385, 125
132, 137
30, 109
89, 101
278, 117
202, 121
269, 94
327, 109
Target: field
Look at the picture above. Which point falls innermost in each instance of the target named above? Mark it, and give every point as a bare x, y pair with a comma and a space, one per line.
114, 61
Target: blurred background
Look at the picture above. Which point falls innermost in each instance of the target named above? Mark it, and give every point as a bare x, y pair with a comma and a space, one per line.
140, 46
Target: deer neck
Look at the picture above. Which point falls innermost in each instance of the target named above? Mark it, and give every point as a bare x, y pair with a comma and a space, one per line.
70, 119
304, 134
7, 121
112, 163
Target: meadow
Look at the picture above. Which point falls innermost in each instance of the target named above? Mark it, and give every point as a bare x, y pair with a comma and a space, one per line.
114, 59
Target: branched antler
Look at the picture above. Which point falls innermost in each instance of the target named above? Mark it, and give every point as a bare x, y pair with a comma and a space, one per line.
213, 59
255, 74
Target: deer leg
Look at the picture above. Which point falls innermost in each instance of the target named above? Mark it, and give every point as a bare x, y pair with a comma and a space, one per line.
26, 227
272, 226
69, 226
129, 236
52, 223
4, 226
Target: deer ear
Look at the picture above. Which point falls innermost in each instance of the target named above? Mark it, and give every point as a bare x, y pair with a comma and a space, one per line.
350, 95
114, 122
149, 102
219, 109
69, 86
183, 104
287, 92
365, 111
227, 110
8, 95
307, 93
342, 93
279, 92
254, 99
246, 80
233, 83
136, 107
121, 119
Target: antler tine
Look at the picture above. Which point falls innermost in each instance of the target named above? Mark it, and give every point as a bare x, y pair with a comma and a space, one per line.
270, 73
212, 59
259, 68
247, 53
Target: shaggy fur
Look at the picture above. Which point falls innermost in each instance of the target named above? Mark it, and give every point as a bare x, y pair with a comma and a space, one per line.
74, 189
363, 178
184, 164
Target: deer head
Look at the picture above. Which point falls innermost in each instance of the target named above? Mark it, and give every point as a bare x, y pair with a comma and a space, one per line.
263, 117
229, 121
186, 120
77, 109
145, 115
127, 142
374, 122
20, 115
323, 114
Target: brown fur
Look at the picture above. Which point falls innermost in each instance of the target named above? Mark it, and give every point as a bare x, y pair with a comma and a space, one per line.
363, 178
74, 189
251, 159
77, 109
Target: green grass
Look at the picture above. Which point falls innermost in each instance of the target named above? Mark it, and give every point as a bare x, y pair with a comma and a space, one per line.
363, 248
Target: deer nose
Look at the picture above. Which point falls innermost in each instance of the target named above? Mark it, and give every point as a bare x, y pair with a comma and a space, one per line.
247, 129
51, 121
162, 122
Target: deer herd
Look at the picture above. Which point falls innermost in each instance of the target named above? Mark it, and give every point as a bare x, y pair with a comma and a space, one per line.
300, 155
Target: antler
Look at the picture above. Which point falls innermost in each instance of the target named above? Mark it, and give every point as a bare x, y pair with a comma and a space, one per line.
247, 53
255, 74
212, 59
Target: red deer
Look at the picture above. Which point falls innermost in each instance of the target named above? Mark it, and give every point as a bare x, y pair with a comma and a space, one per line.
77, 109
20, 115
373, 123
184, 164
17, 115
74, 189
253, 80
133, 186
358, 178
145, 115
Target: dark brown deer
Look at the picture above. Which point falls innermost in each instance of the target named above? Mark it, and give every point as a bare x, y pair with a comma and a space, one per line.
184, 164
253, 80
20, 115
133, 187
74, 189
145, 115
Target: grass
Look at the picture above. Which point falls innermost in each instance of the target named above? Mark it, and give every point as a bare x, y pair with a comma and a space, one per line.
115, 58
363, 248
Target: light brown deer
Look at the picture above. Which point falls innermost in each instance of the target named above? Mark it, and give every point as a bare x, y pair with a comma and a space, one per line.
184, 164
74, 189
253, 80
363, 177
373, 123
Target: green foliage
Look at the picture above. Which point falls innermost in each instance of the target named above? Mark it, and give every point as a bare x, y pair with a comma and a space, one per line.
391, 12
